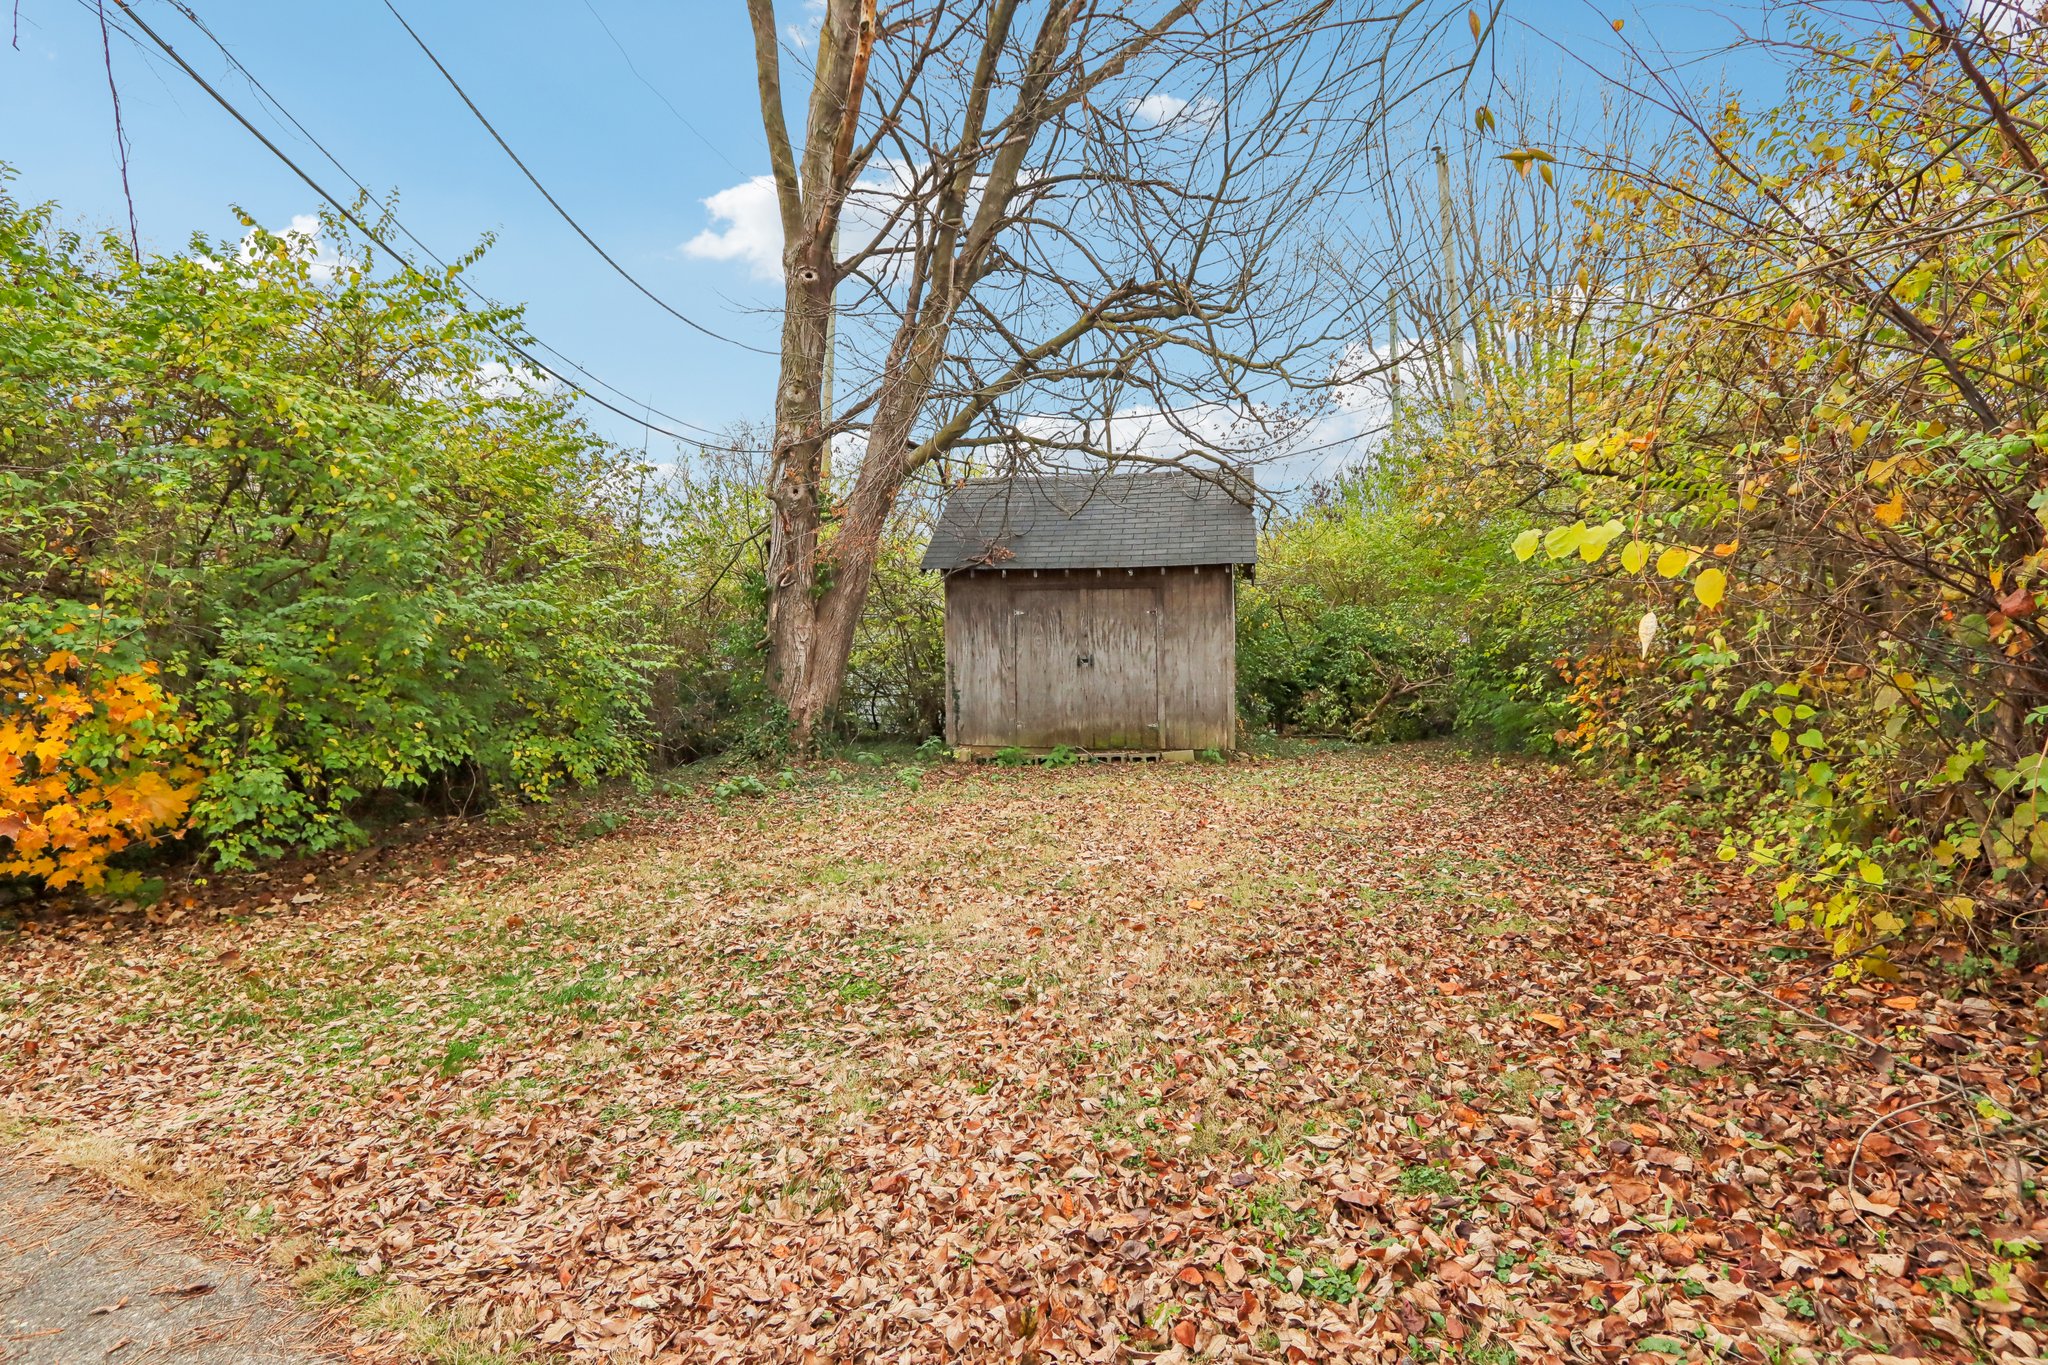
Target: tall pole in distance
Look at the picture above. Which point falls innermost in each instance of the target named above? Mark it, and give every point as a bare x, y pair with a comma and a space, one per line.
1452, 310
1393, 356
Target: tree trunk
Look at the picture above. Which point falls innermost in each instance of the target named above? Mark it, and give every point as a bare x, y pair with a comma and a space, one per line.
814, 610
796, 518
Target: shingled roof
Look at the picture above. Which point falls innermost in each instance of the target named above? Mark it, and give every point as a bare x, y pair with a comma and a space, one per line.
1091, 521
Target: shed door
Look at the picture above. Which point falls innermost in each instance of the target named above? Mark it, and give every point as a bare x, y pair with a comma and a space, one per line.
1087, 666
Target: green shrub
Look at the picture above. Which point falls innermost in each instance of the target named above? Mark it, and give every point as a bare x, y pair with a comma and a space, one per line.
366, 558
1373, 620
742, 784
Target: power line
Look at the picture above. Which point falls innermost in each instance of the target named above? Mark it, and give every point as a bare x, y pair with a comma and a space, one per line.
656, 92
256, 84
554, 203
349, 216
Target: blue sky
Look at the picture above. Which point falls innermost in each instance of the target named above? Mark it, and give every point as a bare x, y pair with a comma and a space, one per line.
562, 92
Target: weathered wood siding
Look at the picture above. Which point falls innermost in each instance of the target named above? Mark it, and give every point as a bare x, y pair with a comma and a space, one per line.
1115, 660
1198, 675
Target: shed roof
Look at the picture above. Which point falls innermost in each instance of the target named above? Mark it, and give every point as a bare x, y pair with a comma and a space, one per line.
1092, 521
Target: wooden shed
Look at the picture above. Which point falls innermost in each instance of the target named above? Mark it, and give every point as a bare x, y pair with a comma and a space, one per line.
1095, 611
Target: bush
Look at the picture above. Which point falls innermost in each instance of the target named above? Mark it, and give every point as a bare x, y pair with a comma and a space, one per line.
93, 756
367, 550
895, 678
1371, 620
1822, 617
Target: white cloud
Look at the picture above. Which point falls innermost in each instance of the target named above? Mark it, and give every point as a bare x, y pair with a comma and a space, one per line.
747, 224
496, 379
747, 227
2007, 16
1161, 110
874, 206
1289, 449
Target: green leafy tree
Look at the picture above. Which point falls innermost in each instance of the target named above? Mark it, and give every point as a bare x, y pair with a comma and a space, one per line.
367, 550
1790, 454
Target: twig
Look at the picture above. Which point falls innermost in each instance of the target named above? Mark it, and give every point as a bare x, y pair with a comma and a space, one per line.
1958, 1087
1864, 1136
120, 135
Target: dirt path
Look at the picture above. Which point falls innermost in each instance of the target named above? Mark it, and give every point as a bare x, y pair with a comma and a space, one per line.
89, 1277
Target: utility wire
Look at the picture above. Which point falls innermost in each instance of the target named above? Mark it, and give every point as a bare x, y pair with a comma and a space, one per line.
556, 204
349, 215
256, 84
656, 91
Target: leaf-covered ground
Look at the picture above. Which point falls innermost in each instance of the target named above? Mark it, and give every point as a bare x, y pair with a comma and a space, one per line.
1354, 1055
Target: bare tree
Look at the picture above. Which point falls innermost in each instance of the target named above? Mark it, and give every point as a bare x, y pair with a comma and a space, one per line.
1073, 229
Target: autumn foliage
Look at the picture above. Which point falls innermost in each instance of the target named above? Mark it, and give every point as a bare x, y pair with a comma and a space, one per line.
373, 566
92, 760
1771, 417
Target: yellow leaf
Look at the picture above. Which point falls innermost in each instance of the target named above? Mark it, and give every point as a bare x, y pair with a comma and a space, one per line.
1634, 555
1709, 587
1596, 540
1674, 561
1889, 511
1560, 541
1472, 18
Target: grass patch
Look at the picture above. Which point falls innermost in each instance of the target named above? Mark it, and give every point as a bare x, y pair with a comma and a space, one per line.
852, 989
433, 1337
1434, 1180
460, 1053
